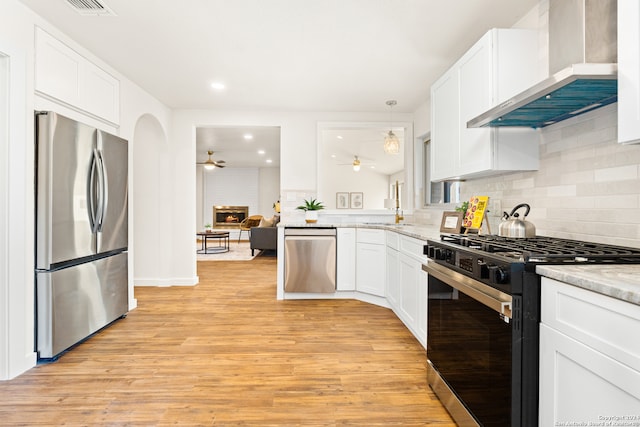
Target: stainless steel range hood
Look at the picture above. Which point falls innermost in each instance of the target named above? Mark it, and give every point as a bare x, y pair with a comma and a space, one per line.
582, 67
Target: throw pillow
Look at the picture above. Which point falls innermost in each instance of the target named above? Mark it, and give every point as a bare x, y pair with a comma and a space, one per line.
266, 222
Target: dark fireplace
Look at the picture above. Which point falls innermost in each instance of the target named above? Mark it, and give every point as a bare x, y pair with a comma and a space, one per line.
229, 216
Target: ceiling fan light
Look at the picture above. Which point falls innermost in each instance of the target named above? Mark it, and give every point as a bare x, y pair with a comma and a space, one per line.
356, 164
209, 166
391, 143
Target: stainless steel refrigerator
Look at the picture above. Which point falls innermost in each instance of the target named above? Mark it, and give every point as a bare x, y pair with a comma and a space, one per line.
81, 231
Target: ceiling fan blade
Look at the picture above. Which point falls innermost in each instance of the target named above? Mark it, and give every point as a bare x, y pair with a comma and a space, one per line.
211, 162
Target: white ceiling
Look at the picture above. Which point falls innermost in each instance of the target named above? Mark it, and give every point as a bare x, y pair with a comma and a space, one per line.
284, 55
229, 144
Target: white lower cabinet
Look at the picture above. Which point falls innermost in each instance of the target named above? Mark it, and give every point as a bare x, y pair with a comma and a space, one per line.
386, 264
406, 288
346, 259
589, 358
370, 261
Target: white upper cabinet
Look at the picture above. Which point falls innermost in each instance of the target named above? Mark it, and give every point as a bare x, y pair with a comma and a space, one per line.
628, 71
65, 76
500, 65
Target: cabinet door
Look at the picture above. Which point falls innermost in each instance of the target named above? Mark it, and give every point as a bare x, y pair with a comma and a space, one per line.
580, 385
371, 268
410, 271
628, 71
346, 260
64, 75
100, 93
445, 127
393, 278
476, 89
57, 69
422, 309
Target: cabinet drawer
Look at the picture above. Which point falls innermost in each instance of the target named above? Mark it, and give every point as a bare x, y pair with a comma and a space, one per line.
413, 247
370, 235
393, 240
601, 322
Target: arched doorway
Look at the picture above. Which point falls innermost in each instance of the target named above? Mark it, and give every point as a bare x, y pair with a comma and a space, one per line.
150, 254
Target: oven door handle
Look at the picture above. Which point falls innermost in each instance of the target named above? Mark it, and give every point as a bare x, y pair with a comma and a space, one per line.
486, 295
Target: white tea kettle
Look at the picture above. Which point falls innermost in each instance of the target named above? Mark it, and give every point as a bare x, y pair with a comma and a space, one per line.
513, 226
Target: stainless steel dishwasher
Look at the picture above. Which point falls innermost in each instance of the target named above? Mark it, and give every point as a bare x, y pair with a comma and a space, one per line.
310, 260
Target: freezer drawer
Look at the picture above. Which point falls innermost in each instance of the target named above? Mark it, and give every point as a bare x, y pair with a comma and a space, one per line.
310, 262
74, 302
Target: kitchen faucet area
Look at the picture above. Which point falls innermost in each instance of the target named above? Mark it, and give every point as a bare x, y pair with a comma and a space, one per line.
261, 212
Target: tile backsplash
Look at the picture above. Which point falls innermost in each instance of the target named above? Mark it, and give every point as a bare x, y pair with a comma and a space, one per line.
587, 187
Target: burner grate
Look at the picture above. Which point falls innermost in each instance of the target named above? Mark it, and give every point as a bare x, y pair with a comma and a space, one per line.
547, 249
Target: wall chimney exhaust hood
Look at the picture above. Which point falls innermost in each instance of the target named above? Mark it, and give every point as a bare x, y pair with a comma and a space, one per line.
582, 67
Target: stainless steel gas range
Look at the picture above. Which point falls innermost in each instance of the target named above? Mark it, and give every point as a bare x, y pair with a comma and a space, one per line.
483, 321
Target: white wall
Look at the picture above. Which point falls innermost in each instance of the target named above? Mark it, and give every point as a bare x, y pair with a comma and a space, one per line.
373, 186
17, 28
231, 187
16, 200
265, 181
269, 190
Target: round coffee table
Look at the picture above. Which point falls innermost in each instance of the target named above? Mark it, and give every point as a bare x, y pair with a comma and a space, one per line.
223, 242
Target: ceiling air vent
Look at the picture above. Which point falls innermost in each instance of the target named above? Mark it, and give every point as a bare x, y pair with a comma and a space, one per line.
90, 7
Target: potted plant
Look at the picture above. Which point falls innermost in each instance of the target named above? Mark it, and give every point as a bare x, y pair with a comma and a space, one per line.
208, 228
311, 208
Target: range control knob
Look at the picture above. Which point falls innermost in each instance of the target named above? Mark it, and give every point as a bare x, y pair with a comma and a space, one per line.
484, 269
438, 253
498, 274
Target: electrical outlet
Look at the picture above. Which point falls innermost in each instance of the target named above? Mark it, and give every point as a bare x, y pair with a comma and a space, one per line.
495, 207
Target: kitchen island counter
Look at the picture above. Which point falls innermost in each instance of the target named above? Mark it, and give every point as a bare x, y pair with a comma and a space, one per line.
618, 281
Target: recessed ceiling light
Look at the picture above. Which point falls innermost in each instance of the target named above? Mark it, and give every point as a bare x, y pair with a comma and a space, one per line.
269, 161
218, 86
261, 152
248, 136
339, 136
333, 156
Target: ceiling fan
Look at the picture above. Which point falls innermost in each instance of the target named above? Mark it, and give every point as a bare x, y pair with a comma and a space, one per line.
356, 163
210, 164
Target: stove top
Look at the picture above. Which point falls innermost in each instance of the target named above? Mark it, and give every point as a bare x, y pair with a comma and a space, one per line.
503, 262
543, 249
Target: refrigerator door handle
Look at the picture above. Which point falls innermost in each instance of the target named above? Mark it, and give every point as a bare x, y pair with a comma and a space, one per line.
91, 196
102, 190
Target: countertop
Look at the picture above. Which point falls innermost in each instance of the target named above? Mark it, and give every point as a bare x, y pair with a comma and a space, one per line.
621, 281
422, 232
617, 281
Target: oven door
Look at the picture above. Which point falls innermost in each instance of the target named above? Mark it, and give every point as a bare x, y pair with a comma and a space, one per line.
469, 348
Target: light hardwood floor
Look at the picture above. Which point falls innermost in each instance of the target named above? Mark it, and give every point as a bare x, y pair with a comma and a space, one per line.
227, 353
